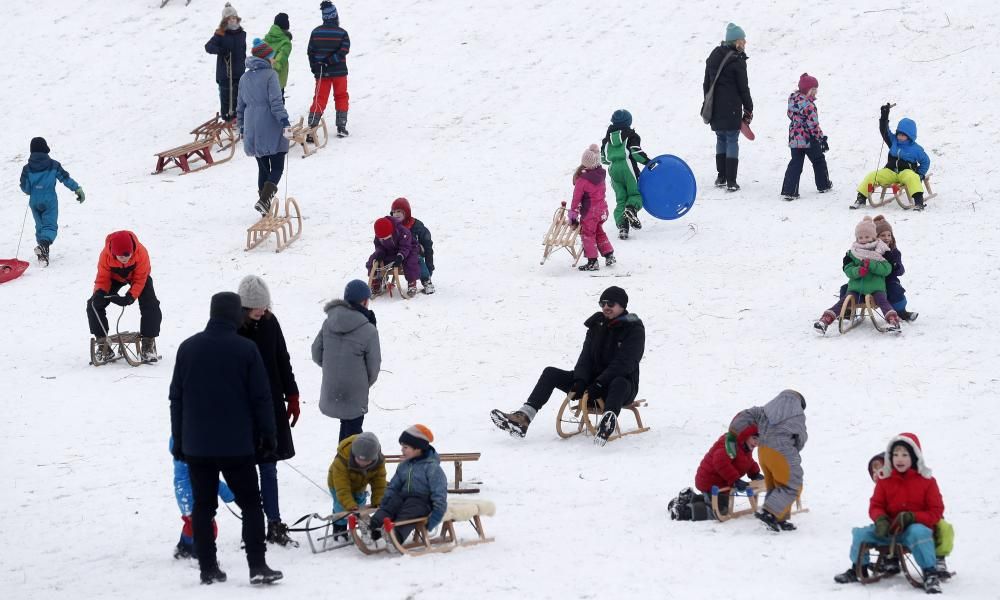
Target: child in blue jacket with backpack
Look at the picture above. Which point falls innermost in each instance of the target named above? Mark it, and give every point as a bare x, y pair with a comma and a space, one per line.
907, 164
38, 180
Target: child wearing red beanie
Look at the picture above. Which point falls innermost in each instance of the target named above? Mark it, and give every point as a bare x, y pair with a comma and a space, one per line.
395, 247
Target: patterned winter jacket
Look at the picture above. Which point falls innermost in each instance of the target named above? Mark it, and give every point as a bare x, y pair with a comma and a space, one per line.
328, 48
804, 126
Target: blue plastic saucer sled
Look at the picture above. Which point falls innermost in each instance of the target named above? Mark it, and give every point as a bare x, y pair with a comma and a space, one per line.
667, 187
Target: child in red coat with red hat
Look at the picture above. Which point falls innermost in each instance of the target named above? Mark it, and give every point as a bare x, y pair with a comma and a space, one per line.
905, 508
394, 246
729, 459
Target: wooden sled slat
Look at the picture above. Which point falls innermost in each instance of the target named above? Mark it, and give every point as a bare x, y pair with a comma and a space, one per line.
385, 281
286, 228
562, 235
212, 135
301, 133
454, 457
578, 416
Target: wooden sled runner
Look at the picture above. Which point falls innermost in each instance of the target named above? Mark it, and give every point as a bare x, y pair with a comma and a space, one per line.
852, 313
877, 556
126, 345
286, 228
385, 281
562, 235
754, 492
897, 192
455, 457
302, 133
422, 543
584, 416
212, 135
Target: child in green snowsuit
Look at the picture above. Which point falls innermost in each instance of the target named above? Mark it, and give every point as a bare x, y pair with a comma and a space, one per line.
280, 39
620, 149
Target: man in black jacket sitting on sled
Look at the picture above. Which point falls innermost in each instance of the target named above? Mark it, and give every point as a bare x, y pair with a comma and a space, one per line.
608, 368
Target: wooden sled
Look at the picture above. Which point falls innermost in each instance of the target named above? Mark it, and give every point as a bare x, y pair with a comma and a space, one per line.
852, 313
422, 543
562, 235
576, 419
301, 132
731, 513
286, 228
897, 192
878, 554
214, 134
382, 280
126, 345
455, 457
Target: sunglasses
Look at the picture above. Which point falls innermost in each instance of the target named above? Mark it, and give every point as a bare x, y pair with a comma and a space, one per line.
608, 303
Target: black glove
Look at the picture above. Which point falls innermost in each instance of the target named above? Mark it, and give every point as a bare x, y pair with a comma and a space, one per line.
399, 259
885, 110
119, 300
823, 144
595, 390
740, 485
579, 386
176, 451
757, 477
267, 445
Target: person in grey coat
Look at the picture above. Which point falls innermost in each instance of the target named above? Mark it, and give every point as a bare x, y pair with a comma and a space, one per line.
781, 424
263, 122
347, 348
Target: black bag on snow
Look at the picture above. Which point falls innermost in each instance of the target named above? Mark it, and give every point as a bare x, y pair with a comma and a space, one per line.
689, 505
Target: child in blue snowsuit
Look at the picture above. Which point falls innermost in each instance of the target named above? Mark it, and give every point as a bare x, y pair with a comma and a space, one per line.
907, 163
38, 180
185, 502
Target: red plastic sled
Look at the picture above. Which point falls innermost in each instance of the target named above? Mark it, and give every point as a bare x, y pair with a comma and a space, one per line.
11, 268
746, 131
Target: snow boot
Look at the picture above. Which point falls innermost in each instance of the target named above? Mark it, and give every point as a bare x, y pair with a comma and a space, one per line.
342, 124
769, 520
590, 266
428, 286
892, 321
607, 426
890, 566
732, 168
148, 349
824, 321
609, 259
850, 575
267, 193
632, 217
918, 205
340, 533
104, 352
623, 230
787, 525
907, 316
720, 167
264, 574
790, 197
277, 533
182, 550
411, 289
212, 574
515, 423
859, 202
932, 585
42, 253
829, 186
314, 119
941, 566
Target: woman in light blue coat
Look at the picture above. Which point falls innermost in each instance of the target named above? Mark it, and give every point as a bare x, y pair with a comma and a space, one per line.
263, 122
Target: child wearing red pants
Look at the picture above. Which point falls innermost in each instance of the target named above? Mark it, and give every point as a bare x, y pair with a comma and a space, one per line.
589, 210
327, 52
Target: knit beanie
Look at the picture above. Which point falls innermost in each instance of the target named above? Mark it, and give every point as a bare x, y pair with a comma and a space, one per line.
254, 293
807, 82
621, 117
328, 9
226, 307
591, 157
281, 20
417, 436
38, 145
120, 243
366, 447
357, 291
866, 228
880, 457
229, 11
616, 295
261, 49
881, 224
734, 32
384, 227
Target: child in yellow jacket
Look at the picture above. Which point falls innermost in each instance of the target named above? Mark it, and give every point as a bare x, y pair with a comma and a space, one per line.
359, 464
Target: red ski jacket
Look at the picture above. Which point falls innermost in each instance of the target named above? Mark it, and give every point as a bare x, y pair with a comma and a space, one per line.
909, 491
717, 468
134, 272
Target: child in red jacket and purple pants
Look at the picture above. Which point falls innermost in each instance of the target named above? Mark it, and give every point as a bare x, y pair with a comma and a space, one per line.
589, 209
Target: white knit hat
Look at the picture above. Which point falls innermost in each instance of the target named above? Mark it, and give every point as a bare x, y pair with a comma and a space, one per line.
591, 157
254, 293
229, 11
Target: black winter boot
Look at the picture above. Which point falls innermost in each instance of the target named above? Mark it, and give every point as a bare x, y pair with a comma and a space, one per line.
918, 204
720, 167
859, 202
590, 266
342, 123
212, 574
263, 205
850, 575
732, 167
264, 574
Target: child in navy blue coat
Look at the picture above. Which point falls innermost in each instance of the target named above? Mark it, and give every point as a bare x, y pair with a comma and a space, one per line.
38, 180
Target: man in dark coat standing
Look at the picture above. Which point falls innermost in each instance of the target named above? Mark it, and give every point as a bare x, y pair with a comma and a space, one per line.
608, 368
732, 103
220, 414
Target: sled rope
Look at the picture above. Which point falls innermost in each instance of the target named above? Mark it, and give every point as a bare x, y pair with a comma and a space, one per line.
21, 235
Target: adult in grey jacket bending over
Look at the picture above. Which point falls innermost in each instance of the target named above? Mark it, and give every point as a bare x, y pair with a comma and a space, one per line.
782, 427
347, 348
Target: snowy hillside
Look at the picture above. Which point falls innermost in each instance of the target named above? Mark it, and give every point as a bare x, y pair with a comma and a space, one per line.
478, 112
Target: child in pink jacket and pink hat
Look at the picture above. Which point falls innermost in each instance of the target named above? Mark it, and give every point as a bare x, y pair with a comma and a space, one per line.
589, 209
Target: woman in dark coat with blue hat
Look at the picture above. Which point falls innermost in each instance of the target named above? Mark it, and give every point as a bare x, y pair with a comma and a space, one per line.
731, 104
263, 122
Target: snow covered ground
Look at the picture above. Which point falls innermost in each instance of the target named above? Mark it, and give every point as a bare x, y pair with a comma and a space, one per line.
478, 112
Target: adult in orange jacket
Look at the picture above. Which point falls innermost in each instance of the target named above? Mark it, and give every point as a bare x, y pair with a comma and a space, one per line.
124, 261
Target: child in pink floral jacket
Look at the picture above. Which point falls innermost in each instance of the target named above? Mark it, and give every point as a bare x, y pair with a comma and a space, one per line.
589, 209
806, 139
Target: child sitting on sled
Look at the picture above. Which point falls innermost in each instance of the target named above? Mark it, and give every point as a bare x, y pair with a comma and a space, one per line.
394, 247
38, 180
418, 489
907, 163
421, 237
359, 464
185, 502
894, 290
905, 509
726, 462
866, 269
589, 210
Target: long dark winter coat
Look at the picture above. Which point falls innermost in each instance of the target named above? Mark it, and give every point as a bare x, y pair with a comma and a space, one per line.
732, 92
266, 334
612, 349
231, 48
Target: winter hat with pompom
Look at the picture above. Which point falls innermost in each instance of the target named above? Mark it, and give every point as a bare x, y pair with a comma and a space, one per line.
229, 11
261, 49
866, 228
734, 32
807, 82
328, 9
417, 436
254, 293
357, 291
281, 20
621, 117
591, 157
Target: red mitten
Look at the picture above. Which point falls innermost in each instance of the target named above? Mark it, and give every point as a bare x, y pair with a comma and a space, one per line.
292, 412
188, 528
864, 268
